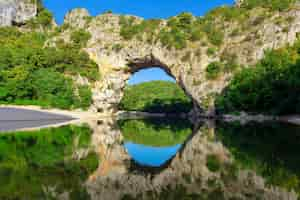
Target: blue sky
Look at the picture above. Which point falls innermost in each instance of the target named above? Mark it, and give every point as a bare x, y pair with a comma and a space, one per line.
149, 74
143, 8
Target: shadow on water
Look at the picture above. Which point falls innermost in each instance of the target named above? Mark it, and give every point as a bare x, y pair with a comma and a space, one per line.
270, 149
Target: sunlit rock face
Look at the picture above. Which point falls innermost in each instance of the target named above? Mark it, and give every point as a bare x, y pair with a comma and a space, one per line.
17, 11
77, 17
119, 58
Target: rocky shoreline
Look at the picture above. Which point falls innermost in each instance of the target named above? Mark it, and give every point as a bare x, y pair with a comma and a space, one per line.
241, 117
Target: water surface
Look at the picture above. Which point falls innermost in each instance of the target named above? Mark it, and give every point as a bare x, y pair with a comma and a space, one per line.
152, 159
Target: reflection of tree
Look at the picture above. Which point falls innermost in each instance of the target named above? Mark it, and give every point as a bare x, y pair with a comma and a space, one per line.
186, 176
35, 163
156, 132
272, 150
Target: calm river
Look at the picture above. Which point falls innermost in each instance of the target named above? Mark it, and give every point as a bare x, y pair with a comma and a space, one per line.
152, 159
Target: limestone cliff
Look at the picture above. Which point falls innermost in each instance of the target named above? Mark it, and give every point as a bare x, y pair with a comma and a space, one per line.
244, 41
122, 45
17, 11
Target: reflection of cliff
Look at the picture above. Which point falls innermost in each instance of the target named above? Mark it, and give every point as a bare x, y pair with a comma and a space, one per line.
186, 175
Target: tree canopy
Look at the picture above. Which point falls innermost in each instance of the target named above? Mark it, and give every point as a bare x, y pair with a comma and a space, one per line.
156, 96
32, 73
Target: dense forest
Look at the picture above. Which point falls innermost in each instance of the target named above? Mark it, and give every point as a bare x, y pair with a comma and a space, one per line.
271, 86
156, 97
32, 72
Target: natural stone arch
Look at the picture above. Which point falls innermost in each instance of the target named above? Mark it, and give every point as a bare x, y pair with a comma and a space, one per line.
113, 83
151, 61
116, 55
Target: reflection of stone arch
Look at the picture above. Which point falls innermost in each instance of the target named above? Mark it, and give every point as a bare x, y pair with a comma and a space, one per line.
115, 177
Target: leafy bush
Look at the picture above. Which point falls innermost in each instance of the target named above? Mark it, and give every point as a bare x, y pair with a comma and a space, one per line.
156, 96
185, 27
213, 163
131, 29
33, 74
44, 19
84, 98
214, 70
271, 4
51, 88
211, 51
271, 86
80, 37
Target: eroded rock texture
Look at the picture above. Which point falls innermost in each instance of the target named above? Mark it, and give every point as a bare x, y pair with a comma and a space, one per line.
118, 58
17, 11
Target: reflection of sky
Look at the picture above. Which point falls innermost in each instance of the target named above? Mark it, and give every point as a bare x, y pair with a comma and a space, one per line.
151, 156
149, 74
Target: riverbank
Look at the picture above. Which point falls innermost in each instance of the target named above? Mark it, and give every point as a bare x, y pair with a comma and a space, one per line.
244, 118
241, 117
27, 118
77, 117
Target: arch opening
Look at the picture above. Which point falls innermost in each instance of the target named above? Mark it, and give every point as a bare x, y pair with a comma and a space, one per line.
152, 88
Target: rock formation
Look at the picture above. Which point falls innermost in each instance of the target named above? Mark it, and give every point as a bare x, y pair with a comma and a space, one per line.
118, 58
17, 11
238, 2
244, 41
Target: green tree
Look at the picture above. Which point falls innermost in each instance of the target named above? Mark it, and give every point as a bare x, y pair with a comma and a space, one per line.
156, 96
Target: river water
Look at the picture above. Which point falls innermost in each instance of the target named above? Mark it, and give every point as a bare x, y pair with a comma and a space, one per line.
152, 159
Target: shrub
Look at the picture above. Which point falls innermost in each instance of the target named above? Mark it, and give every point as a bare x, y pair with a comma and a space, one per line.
156, 96
33, 74
84, 98
270, 86
80, 37
53, 88
213, 70
216, 37
271, 4
44, 19
213, 163
211, 51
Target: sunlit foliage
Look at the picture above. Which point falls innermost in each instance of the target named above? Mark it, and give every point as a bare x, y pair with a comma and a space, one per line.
156, 96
